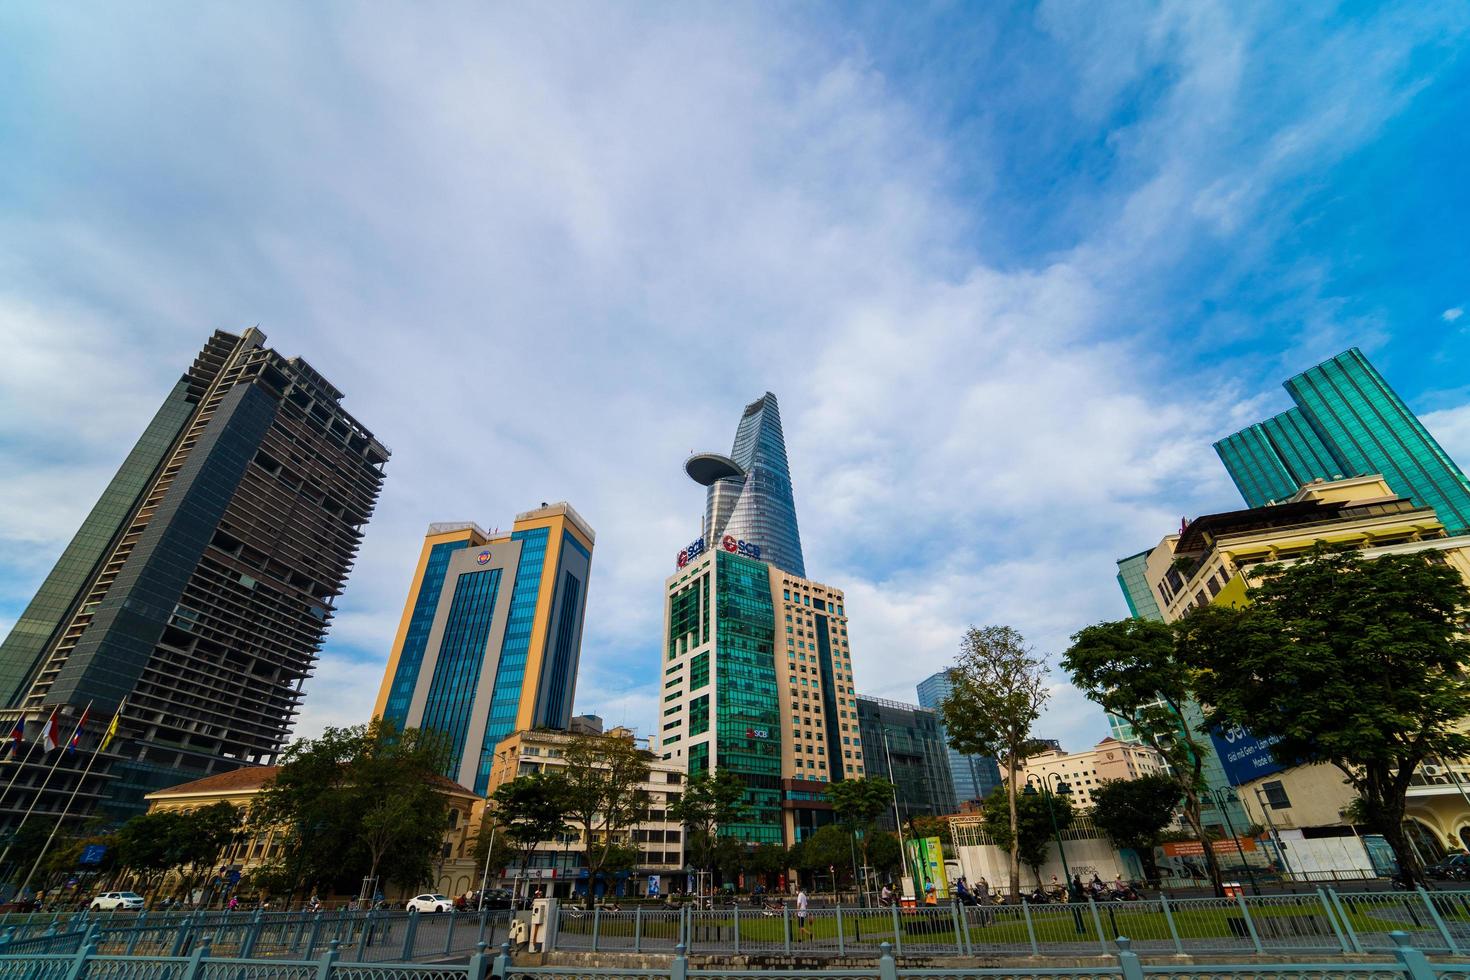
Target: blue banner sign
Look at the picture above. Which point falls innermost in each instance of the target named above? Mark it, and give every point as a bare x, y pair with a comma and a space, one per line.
1244, 756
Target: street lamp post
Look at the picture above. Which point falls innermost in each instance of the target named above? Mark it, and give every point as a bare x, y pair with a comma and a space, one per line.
897, 817
1062, 789
489, 851
1221, 796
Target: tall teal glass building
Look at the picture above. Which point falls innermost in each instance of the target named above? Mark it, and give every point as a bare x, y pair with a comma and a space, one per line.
1347, 422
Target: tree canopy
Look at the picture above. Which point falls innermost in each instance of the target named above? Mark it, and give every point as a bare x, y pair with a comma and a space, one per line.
998, 690
1034, 822
605, 775
1138, 670
1133, 813
532, 809
1346, 660
708, 801
356, 801
857, 804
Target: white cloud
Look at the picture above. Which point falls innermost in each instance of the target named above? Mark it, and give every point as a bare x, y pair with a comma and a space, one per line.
1452, 314
1451, 429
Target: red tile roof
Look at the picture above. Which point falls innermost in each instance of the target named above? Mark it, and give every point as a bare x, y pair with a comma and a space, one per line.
252, 778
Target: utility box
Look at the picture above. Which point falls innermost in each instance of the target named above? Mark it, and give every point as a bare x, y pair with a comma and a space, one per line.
543, 918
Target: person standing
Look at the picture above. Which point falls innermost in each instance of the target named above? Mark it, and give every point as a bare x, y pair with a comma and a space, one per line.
1076, 895
801, 906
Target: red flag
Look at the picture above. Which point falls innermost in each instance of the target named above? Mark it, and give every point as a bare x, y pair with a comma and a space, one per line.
51, 737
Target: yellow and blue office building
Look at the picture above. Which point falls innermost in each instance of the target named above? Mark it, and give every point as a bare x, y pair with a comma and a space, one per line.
491, 634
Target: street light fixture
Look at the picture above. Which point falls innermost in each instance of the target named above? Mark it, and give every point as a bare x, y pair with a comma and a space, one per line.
1062, 789
489, 851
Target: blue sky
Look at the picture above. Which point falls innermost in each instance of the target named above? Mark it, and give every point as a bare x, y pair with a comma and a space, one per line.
1010, 270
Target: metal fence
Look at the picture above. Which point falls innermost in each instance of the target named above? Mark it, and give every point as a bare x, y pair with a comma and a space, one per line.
87, 963
361, 937
1325, 922
1321, 922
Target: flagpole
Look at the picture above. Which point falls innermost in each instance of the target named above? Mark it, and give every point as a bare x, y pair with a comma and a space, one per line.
22, 767
101, 742
35, 799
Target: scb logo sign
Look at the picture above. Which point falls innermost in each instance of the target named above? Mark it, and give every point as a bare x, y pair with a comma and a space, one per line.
745, 548
695, 549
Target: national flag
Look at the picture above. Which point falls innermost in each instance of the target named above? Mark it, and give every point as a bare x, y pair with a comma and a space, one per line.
111, 730
51, 738
17, 735
76, 735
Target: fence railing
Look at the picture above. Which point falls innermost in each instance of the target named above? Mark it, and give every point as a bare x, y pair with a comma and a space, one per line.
1323, 921
1408, 963
361, 936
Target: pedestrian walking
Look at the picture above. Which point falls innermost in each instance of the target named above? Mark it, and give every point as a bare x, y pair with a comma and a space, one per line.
801, 906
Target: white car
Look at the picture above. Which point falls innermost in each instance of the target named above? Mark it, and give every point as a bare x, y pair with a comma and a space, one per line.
117, 900
430, 903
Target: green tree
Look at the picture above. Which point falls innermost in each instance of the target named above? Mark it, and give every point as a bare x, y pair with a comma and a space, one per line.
999, 689
1034, 823
328, 806
532, 809
623, 856
383, 826
1133, 813
827, 850
198, 840
491, 835
731, 858
857, 804
1341, 659
708, 801
927, 825
884, 857
1139, 671
65, 856
605, 776
769, 861
146, 845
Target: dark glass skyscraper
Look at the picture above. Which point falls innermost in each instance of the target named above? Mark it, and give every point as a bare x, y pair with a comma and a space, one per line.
973, 776
907, 741
200, 586
749, 506
1347, 422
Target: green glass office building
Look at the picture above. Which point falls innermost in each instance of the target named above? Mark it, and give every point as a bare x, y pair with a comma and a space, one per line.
721, 709
757, 672
1346, 422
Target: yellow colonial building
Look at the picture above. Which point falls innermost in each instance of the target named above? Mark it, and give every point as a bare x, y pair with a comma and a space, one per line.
1211, 561
455, 870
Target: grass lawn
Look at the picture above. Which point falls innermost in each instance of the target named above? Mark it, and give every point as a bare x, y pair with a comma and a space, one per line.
1007, 925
